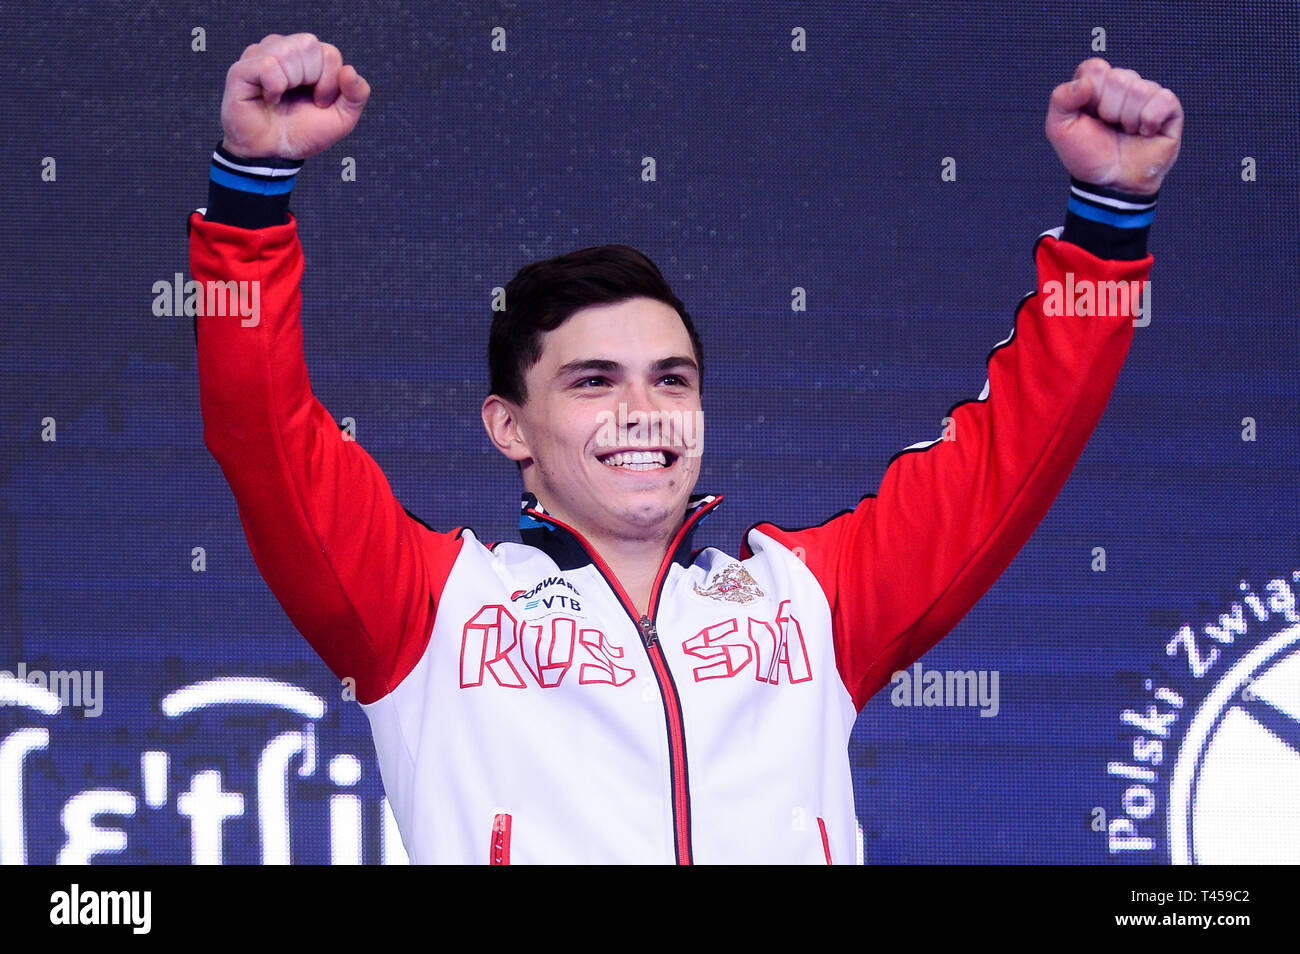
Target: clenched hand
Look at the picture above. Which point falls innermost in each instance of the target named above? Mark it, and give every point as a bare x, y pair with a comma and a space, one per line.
290, 97
1111, 127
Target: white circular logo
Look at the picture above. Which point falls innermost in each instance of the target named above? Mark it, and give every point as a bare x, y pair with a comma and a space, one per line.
1211, 765
1234, 792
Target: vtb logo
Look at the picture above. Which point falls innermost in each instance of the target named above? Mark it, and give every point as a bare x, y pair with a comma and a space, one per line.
548, 602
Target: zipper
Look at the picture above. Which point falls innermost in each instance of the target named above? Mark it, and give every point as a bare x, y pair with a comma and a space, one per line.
645, 624
826, 842
499, 853
648, 632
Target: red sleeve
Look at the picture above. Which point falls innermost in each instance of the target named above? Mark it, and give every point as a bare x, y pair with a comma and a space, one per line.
357, 575
903, 567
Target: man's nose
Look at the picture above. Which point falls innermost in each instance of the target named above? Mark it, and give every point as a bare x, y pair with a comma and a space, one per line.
639, 396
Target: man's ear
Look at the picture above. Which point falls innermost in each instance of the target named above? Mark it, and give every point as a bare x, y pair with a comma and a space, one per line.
501, 420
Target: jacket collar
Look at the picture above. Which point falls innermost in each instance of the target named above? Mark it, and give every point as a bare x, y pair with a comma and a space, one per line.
563, 544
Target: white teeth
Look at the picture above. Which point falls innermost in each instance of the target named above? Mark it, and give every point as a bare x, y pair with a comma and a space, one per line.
637, 460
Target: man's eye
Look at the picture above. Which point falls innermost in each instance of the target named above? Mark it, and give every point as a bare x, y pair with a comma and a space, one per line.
586, 382
674, 379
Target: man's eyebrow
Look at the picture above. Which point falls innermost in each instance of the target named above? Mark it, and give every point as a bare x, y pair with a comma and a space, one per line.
676, 361
589, 364
607, 366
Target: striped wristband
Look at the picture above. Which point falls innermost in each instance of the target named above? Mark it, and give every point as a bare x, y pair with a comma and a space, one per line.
1107, 222
249, 193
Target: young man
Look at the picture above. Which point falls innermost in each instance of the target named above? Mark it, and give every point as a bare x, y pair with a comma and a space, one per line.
600, 692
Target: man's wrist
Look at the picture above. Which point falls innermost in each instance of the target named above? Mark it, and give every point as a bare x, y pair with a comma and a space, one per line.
1108, 222
249, 193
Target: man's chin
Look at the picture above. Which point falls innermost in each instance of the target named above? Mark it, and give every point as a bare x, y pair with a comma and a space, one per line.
647, 516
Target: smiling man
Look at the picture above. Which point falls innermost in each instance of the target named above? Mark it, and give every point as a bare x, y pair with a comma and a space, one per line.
599, 691
564, 419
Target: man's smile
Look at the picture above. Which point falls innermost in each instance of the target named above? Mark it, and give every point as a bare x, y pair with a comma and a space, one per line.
639, 460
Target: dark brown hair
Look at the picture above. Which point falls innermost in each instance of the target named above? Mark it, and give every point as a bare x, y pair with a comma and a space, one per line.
545, 294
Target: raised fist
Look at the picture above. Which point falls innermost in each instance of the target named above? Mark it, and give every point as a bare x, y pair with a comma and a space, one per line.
1113, 128
291, 97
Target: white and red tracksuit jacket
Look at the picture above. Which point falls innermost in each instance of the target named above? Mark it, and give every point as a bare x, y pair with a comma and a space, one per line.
523, 710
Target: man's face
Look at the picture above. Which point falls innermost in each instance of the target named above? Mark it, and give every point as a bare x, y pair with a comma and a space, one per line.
613, 426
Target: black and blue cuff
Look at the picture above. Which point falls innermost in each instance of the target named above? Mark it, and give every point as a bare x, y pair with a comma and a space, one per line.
1107, 222
250, 193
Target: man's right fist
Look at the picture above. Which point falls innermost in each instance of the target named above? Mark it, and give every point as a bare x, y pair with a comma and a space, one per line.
260, 120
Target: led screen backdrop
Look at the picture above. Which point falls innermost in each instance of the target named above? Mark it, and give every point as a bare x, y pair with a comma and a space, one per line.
783, 164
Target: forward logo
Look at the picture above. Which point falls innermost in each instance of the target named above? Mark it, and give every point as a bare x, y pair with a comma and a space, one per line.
533, 600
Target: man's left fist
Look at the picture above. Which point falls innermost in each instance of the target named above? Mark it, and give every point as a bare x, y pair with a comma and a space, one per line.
1113, 128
